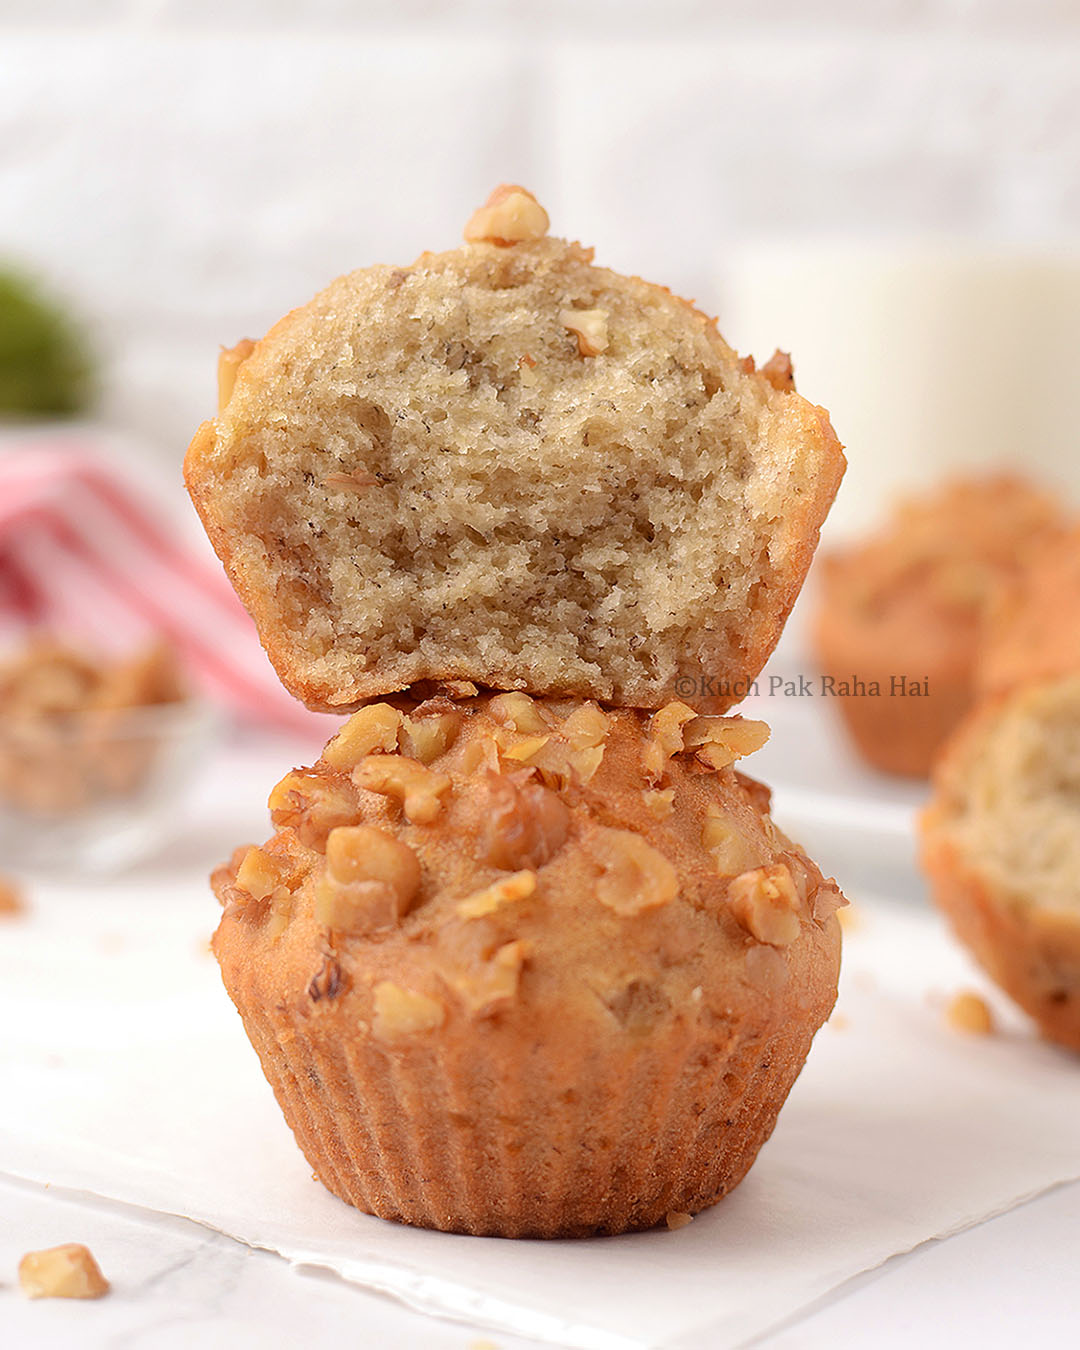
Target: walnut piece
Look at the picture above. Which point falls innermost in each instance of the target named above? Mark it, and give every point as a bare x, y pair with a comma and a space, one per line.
590, 327
371, 880
720, 741
677, 1219
492, 898
667, 737
766, 904
730, 848
586, 727
525, 823
68, 1271
970, 1013
229, 362
519, 712
511, 215
495, 982
635, 876
259, 874
372, 728
779, 372
659, 802
427, 737
402, 1012
418, 788
312, 805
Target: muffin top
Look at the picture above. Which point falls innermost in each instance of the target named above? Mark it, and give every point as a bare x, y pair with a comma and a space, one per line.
505, 464
462, 858
926, 580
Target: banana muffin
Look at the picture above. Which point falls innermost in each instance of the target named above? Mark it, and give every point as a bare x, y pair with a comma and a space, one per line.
1001, 844
900, 617
528, 967
507, 465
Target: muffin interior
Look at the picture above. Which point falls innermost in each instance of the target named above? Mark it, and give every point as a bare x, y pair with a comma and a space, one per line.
1016, 805
432, 478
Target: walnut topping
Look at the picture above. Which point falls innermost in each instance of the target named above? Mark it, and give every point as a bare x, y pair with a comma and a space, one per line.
659, 804
766, 970
372, 728
426, 738
510, 215
402, 1012
525, 823
667, 737
970, 1013
677, 1219
828, 899
590, 327
526, 750
765, 902
492, 898
726, 843
417, 788
482, 752
635, 876
69, 1271
779, 372
259, 874
585, 763
229, 362
720, 741
519, 712
371, 880
281, 909
312, 806
495, 982
328, 981
586, 727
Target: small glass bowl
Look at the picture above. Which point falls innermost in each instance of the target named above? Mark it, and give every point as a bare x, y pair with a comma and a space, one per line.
97, 790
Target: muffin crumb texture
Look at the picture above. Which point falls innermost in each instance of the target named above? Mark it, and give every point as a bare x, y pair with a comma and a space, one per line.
505, 464
528, 966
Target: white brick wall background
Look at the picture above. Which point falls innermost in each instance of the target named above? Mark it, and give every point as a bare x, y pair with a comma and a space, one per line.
189, 169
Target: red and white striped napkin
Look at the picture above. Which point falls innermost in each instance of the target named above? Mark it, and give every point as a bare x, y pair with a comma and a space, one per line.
89, 558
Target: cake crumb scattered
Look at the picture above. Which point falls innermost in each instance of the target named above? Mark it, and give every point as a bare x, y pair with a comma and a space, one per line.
482, 1345
969, 1012
67, 1271
677, 1219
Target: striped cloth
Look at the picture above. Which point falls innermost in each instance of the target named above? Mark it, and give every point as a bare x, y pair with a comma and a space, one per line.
89, 559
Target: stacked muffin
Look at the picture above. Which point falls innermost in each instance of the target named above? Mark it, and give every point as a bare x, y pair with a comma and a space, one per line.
525, 955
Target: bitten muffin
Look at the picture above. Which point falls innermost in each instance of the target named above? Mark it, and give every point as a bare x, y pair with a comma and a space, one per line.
505, 464
528, 967
900, 616
1033, 630
1001, 844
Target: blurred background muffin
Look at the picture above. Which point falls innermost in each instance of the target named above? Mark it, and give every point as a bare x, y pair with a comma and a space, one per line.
900, 616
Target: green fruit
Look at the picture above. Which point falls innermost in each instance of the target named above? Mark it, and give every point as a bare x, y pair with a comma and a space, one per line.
45, 368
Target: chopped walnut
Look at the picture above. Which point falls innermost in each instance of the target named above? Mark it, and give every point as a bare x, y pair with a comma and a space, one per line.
635, 876
723, 839
372, 728
230, 360
259, 874
667, 737
371, 880
586, 728
720, 741
68, 1271
766, 970
779, 372
525, 823
492, 898
677, 1219
481, 753
519, 712
584, 763
511, 215
427, 737
402, 1012
312, 805
970, 1013
495, 982
281, 910
417, 788
766, 904
659, 802
590, 327
526, 750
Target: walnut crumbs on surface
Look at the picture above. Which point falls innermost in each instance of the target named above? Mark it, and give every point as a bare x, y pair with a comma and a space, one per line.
503, 463
496, 990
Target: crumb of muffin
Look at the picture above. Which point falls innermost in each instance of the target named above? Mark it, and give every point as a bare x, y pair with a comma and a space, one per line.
969, 1012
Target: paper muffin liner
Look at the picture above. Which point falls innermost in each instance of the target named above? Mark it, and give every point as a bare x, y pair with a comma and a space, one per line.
443, 1137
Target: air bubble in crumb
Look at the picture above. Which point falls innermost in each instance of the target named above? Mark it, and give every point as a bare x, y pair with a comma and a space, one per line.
970, 1013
